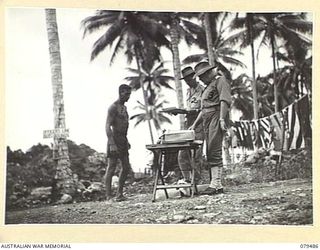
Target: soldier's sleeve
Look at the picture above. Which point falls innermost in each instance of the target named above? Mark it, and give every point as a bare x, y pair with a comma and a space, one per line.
224, 90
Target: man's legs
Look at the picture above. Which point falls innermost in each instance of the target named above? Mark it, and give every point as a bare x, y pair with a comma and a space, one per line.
198, 163
214, 137
112, 164
125, 168
184, 161
215, 152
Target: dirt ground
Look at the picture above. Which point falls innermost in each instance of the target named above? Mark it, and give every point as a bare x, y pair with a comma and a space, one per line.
275, 203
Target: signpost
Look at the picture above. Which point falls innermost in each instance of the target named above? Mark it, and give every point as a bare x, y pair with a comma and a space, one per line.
59, 133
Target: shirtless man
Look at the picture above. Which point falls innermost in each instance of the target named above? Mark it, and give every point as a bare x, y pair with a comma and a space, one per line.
118, 145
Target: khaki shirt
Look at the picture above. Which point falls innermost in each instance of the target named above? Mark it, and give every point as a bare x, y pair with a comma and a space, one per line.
194, 97
218, 90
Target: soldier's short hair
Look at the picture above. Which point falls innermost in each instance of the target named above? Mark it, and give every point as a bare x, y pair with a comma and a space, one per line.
124, 87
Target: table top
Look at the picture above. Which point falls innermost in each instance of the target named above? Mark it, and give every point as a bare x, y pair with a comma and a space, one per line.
177, 145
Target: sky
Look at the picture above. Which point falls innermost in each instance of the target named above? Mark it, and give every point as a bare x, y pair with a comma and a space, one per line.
89, 87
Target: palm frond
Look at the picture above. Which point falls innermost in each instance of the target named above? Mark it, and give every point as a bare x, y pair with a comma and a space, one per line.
233, 61
194, 58
119, 46
93, 23
106, 39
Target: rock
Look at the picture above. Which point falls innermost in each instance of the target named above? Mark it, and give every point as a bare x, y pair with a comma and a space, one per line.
80, 187
13, 198
291, 207
95, 187
39, 192
251, 159
185, 192
139, 204
195, 221
210, 215
115, 181
162, 218
273, 162
239, 176
179, 217
200, 208
65, 198
302, 195
297, 189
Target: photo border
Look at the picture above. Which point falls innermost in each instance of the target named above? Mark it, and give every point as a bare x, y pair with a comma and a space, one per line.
167, 233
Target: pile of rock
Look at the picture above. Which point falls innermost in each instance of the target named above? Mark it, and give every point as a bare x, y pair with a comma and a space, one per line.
265, 165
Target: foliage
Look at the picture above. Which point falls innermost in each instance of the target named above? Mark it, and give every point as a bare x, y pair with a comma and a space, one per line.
130, 30
36, 168
224, 54
155, 115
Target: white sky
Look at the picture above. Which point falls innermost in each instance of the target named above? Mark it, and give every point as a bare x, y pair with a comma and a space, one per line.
89, 87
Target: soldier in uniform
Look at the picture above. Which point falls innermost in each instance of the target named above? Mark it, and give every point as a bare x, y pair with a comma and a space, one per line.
194, 93
117, 147
215, 103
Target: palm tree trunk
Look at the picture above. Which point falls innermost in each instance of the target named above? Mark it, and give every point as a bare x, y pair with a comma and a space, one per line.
254, 83
63, 176
144, 94
276, 101
209, 38
177, 67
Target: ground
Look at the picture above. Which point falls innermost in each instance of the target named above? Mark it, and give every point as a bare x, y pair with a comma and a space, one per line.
286, 202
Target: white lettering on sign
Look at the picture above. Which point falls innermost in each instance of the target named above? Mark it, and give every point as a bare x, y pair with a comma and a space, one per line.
60, 132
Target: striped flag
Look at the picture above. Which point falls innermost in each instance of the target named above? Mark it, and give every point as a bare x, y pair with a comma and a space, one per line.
265, 132
302, 109
277, 126
239, 133
294, 131
254, 126
247, 134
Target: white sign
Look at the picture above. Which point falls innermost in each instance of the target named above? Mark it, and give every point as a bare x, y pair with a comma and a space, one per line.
60, 132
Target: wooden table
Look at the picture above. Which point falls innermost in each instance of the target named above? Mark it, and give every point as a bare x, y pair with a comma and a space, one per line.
172, 148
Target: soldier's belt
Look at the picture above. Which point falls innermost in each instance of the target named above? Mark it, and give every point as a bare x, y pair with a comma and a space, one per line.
210, 109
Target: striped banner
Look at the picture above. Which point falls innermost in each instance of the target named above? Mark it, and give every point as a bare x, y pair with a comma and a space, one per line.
283, 130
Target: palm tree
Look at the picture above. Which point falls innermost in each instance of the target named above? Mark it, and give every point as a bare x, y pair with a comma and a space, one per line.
298, 72
282, 26
153, 78
134, 32
155, 106
64, 177
252, 29
242, 97
216, 46
178, 27
207, 25
272, 28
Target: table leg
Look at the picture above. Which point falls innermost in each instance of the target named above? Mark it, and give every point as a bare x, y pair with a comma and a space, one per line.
161, 177
193, 184
155, 184
158, 172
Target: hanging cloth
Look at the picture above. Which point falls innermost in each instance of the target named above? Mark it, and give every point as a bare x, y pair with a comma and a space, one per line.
239, 133
276, 121
247, 134
265, 132
254, 127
